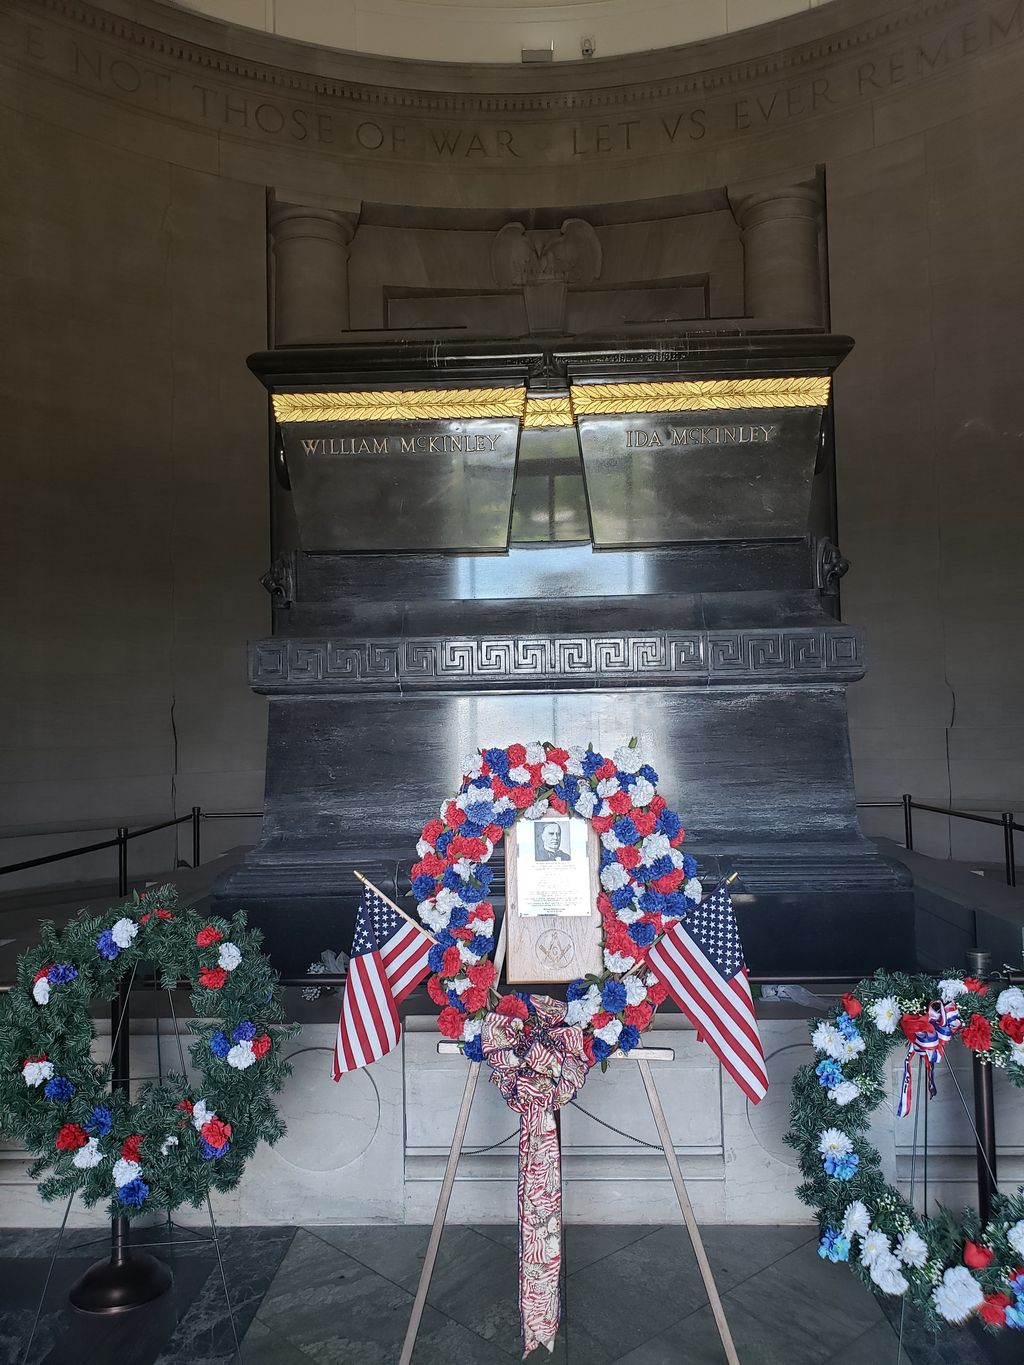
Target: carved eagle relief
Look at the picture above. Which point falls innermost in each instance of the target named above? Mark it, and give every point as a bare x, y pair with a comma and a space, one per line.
571, 255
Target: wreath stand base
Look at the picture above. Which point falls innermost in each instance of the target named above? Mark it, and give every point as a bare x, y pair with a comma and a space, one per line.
643, 1058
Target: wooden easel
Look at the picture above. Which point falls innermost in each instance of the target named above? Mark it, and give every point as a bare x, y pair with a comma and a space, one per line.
643, 1057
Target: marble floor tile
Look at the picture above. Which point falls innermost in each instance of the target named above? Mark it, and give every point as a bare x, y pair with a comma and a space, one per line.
397, 1252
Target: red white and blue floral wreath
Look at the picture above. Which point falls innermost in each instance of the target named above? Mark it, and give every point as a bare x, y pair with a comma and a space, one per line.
647, 883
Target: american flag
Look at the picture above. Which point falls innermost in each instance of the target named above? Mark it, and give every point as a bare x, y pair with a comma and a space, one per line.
389, 959
700, 963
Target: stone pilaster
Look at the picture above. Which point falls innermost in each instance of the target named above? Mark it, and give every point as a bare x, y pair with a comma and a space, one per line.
311, 247
782, 270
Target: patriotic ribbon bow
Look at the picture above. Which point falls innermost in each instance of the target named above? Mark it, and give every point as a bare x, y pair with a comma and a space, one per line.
943, 1020
538, 1064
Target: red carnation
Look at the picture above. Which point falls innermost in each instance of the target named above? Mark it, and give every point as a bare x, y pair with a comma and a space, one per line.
451, 963
559, 756
436, 991
208, 936
1013, 1028
216, 1132
556, 803
144, 919
482, 913
993, 1310
628, 855
639, 1015
607, 769
43, 971
658, 804
212, 977
70, 1138
521, 797
500, 788
465, 933
493, 832
261, 1045
600, 1019
646, 822
671, 881
977, 1257
851, 1005
449, 1021
678, 838
43, 1057
621, 803
977, 1035
455, 815
186, 1105
516, 755
534, 770
482, 974
474, 998
512, 1006
913, 1024
131, 1147
656, 993
603, 823
604, 903
973, 984
588, 1048
163, 914
433, 865
432, 831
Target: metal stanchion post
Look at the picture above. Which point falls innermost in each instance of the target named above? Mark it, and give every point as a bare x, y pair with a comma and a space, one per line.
1008, 851
196, 825
908, 821
979, 963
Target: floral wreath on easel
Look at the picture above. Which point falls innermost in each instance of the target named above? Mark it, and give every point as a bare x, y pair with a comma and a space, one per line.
647, 883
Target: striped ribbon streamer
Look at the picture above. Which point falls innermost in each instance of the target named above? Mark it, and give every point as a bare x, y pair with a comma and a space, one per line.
930, 1043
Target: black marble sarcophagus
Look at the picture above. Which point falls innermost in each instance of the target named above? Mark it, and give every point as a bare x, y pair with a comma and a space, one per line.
576, 542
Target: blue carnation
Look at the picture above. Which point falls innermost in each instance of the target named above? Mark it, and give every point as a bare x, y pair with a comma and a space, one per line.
458, 917
485, 875
208, 1153
481, 944
61, 973
591, 762
569, 790
423, 886
829, 1074
661, 867
652, 902
471, 829
607, 857
613, 996
482, 781
435, 958
834, 1246
474, 1049
106, 946
455, 1000
625, 830
689, 864
220, 1045
244, 1033
669, 824
527, 1000
100, 1121
497, 761
676, 903
443, 840
134, 1193
506, 818
481, 812
58, 1088
648, 772
601, 1049
471, 894
576, 990
642, 934
450, 879
621, 897
628, 1038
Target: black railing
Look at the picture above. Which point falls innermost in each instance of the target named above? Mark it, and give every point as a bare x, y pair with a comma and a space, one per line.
1006, 822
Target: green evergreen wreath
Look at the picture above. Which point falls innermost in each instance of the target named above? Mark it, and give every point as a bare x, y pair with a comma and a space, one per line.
178, 1140
949, 1266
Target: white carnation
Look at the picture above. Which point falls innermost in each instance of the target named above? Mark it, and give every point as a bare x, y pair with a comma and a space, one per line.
618, 962
41, 991
538, 809
125, 1172
959, 1294
950, 988
473, 765
1011, 1002
856, 1220
551, 773
1017, 1054
844, 1093
834, 1142
693, 889
35, 1073
912, 1249
641, 793
676, 857
168, 1142
462, 800
520, 775
636, 991
630, 913
581, 1011
874, 1244
467, 954
535, 752
614, 876
464, 867
586, 803
608, 786
610, 1032
885, 1013
655, 846
201, 1113
229, 957
886, 1273
90, 1155
574, 764
460, 984
1015, 1236
447, 899
123, 932
628, 760
503, 803
431, 916
471, 1028
423, 848
241, 1055
611, 840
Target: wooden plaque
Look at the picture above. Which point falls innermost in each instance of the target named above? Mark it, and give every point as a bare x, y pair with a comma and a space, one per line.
551, 888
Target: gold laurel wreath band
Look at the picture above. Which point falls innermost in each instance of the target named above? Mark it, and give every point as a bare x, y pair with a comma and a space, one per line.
697, 395
410, 405
554, 410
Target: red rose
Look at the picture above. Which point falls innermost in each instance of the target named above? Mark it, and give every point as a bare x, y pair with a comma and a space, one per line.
474, 998
639, 1015
216, 1132
131, 1147
436, 991
913, 1024
521, 797
432, 831
851, 1005
603, 823
449, 1021
451, 963
977, 1257
208, 936
212, 977
973, 984
513, 1007
646, 821
261, 1045
656, 993
621, 803
629, 855
70, 1138
993, 1310
977, 1035
516, 754
482, 974
1013, 1028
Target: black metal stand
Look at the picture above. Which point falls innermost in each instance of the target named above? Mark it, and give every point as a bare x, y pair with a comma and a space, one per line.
979, 963
129, 1278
